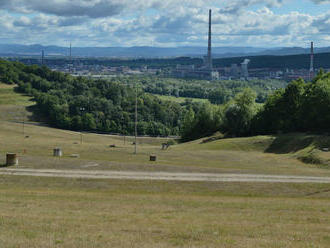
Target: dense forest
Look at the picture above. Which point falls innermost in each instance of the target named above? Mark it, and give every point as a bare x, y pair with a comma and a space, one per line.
300, 61
300, 107
132, 63
82, 104
217, 92
108, 106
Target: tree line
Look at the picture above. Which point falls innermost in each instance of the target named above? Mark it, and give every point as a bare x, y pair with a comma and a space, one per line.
299, 61
79, 103
108, 106
300, 107
217, 92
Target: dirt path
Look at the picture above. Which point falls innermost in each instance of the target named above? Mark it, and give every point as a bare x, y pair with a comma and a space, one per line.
202, 177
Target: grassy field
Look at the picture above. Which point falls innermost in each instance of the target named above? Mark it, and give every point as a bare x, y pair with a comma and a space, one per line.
70, 213
241, 155
180, 99
261, 155
109, 213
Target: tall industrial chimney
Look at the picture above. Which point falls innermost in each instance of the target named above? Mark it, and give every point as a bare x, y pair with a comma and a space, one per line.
42, 57
209, 50
70, 52
311, 70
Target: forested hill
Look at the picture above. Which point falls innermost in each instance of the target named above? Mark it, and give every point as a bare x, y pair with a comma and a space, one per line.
82, 104
107, 106
302, 61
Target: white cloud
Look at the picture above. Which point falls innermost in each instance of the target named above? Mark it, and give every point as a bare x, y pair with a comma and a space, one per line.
235, 6
321, 1
158, 22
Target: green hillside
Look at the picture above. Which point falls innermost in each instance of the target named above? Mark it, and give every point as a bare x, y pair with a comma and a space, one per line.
302, 61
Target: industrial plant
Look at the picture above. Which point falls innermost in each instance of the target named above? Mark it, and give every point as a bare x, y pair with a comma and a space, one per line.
206, 71
242, 68
236, 71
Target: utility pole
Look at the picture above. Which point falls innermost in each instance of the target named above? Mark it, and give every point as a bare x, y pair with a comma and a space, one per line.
23, 126
42, 57
135, 142
209, 49
81, 135
24, 150
311, 70
70, 52
123, 121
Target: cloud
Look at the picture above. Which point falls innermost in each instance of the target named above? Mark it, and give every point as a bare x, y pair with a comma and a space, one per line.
92, 8
95, 8
322, 23
235, 6
321, 1
109, 8
157, 22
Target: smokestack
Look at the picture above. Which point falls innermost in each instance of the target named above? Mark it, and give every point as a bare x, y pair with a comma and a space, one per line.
311, 70
70, 52
42, 57
209, 50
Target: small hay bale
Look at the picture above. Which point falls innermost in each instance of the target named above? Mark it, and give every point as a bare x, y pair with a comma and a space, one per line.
153, 158
11, 159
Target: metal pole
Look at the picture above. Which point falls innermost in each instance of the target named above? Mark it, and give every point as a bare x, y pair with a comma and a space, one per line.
81, 135
42, 57
24, 150
135, 148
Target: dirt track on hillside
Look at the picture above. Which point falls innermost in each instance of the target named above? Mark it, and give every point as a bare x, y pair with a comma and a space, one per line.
132, 175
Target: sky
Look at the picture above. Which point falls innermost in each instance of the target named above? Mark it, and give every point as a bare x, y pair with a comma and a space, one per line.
165, 23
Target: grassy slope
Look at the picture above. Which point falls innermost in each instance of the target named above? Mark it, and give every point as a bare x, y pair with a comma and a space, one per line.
55, 212
241, 155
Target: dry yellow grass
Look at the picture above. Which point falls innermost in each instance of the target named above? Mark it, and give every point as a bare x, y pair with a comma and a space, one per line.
95, 150
244, 155
70, 213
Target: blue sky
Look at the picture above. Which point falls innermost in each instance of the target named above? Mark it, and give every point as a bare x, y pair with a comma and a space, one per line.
165, 23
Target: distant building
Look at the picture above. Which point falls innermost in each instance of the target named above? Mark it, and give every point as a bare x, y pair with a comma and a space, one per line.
234, 71
245, 70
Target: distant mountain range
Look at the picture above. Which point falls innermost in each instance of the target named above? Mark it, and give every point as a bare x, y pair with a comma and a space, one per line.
150, 52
